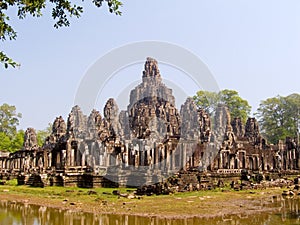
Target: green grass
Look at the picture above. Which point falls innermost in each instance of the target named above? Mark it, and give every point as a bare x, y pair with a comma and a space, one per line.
106, 193
13, 182
74, 193
183, 203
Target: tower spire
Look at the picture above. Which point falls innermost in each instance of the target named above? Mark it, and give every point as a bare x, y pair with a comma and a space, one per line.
151, 70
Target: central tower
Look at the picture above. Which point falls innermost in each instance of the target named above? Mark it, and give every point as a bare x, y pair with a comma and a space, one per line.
151, 109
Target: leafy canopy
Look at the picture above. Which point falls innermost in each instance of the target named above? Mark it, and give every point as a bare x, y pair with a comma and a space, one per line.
5, 142
9, 119
62, 10
17, 141
237, 106
10, 139
43, 134
279, 117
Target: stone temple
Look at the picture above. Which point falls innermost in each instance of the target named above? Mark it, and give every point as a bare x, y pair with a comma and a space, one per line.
147, 143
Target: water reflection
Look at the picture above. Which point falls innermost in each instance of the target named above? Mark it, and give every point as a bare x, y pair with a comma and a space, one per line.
12, 213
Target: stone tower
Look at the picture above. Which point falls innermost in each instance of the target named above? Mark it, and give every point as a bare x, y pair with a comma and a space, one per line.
151, 110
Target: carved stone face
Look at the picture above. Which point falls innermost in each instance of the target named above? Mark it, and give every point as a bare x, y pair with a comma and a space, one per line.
30, 140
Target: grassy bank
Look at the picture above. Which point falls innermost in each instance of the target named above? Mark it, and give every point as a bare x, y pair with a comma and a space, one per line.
101, 200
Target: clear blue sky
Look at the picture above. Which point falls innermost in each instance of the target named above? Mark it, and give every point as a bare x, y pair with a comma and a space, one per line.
251, 46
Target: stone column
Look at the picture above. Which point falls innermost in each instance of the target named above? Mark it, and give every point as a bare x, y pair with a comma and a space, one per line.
228, 159
45, 160
63, 156
69, 158
127, 155
179, 150
50, 159
294, 159
83, 159
163, 158
298, 160
7, 164
141, 154
168, 157
155, 156
158, 154
184, 158
137, 158
173, 159
153, 150
72, 157
221, 160
20, 162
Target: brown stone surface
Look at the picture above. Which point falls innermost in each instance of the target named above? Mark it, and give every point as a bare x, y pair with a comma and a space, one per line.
76, 125
111, 114
196, 123
238, 127
30, 140
147, 142
252, 130
152, 106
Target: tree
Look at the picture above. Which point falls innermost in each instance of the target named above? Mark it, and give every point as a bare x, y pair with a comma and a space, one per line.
10, 139
9, 119
11, 144
206, 100
238, 107
5, 143
17, 141
43, 134
61, 12
279, 117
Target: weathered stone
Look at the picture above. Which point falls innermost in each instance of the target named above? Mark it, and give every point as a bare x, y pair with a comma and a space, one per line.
291, 143
238, 127
111, 114
252, 131
116, 192
58, 130
59, 127
94, 123
205, 125
195, 122
190, 129
124, 123
77, 123
91, 192
111, 110
149, 141
222, 118
151, 110
222, 134
30, 140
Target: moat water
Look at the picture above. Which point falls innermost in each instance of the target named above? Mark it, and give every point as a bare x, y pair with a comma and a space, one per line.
285, 211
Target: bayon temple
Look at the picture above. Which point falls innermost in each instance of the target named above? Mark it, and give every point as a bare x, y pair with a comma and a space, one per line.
148, 142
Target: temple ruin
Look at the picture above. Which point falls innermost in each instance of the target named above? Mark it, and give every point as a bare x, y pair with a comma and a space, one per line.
148, 142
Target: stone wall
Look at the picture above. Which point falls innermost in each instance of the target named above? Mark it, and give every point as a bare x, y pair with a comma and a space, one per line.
149, 141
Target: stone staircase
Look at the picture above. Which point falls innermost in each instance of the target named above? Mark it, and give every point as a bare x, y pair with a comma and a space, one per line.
35, 180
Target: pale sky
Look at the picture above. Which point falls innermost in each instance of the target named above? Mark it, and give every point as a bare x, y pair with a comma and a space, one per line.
251, 46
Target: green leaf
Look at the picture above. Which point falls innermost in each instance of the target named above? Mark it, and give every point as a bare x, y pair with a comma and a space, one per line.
61, 12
